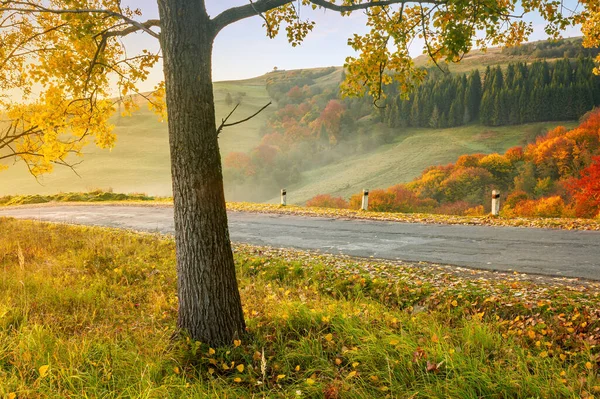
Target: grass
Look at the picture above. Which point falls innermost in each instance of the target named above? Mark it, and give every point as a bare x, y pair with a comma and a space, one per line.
88, 312
90, 196
406, 158
140, 161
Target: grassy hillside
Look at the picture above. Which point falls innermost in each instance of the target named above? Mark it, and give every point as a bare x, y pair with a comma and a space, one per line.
140, 160
407, 157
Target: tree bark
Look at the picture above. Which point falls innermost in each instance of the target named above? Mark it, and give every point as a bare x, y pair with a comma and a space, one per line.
210, 308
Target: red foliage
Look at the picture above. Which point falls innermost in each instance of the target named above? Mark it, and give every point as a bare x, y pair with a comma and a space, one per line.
264, 155
330, 118
240, 162
454, 208
327, 201
586, 190
515, 154
295, 94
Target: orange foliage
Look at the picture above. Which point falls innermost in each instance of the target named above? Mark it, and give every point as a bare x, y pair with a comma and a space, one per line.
469, 161
544, 207
515, 154
327, 201
240, 162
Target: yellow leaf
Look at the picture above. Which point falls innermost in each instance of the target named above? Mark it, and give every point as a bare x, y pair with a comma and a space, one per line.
240, 368
328, 337
589, 366
454, 303
297, 368
237, 343
435, 338
563, 356
351, 374
12, 395
211, 351
394, 342
280, 376
310, 381
211, 371
237, 379
531, 334
43, 370
374, 378
355, 364
338, 361
176, 370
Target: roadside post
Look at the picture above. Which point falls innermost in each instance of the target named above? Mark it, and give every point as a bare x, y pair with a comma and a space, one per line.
283, 197
365, 200
495, 203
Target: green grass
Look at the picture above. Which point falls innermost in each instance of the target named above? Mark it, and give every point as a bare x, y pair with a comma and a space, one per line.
412, 152
140, 161
89, 312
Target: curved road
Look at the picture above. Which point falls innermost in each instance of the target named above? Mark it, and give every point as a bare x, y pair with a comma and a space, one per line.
539, 251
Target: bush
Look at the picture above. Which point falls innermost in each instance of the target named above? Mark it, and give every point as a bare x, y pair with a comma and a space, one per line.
327, 201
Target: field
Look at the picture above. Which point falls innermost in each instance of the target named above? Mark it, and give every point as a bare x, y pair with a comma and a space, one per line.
140, 160
90, 312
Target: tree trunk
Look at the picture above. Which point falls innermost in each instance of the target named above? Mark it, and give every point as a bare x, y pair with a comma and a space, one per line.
210, 308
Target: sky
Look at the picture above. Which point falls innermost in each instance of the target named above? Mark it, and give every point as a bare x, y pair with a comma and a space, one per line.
243, 50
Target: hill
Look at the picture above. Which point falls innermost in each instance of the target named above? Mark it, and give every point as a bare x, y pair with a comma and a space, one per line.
405, 158
140, 160
352, 149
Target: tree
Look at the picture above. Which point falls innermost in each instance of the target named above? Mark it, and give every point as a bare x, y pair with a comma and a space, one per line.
70, 53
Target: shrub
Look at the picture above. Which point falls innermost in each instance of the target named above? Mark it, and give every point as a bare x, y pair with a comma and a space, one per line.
454, 208
327, 201
544, 207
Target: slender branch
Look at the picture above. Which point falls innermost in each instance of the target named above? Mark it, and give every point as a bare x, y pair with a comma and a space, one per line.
223, 121
235, 14
26, 7
223, 125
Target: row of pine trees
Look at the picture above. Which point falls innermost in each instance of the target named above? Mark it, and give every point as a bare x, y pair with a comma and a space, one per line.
518, 93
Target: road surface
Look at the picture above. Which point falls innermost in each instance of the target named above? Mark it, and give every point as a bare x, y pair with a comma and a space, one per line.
540, 251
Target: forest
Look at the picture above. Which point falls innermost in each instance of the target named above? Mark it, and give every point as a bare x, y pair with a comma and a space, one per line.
520, 93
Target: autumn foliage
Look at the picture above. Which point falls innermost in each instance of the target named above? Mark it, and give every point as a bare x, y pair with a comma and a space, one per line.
327, 201
556, 176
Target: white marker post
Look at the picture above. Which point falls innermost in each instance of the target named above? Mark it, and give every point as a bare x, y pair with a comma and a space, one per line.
365, 200
283, 197
495, 203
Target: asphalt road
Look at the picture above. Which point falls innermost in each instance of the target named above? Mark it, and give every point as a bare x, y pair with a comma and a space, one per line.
540, 251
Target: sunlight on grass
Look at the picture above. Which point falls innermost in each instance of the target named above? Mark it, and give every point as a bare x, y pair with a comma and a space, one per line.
90, 312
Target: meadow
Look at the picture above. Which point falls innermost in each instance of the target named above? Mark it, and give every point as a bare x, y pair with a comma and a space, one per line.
91, 312
140, 161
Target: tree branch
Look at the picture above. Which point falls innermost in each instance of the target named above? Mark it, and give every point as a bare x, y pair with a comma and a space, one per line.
26, 7
235, 14
223, 121
224, 124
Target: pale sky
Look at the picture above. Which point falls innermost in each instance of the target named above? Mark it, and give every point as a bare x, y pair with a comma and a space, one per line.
242, 50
